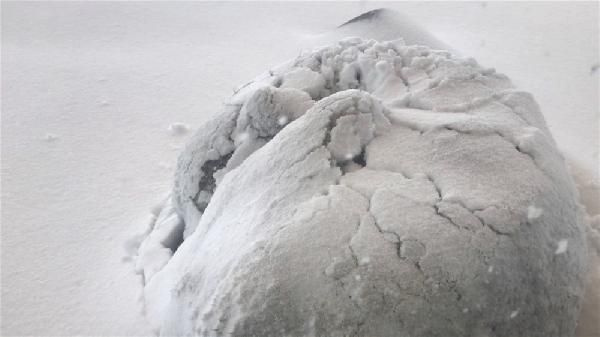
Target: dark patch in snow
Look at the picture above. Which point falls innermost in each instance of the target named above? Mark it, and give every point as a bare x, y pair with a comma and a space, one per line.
207, 182
367, 16
360, 159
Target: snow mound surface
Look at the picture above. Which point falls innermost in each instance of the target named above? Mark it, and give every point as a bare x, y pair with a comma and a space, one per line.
370, 189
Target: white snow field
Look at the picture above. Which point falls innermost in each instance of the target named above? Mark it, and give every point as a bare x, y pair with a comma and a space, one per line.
99, 98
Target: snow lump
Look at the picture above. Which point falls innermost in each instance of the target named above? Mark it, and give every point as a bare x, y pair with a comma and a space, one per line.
369, 189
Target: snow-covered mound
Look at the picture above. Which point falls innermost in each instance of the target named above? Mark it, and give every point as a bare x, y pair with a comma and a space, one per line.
370, 189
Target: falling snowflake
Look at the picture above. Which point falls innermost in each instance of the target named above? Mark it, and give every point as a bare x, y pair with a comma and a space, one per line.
562, 246
490, 269
514, 314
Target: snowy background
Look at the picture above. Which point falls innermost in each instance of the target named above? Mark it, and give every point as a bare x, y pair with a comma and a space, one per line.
89, 91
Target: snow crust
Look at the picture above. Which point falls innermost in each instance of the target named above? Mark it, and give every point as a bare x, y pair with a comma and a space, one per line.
394, 199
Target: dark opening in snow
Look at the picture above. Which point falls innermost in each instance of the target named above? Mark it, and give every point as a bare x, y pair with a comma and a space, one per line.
207, 182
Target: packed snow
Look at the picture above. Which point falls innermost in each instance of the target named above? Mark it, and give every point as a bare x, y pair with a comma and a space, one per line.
90, 92
177, 129
340, 219
534, 212
562, 246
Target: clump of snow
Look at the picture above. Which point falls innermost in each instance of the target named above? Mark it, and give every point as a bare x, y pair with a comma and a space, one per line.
51, 137
282, 120
561, 246
534, 212
177, 129
304, 79
400, 178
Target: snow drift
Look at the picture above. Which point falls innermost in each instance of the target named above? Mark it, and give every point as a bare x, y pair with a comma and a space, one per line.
372, 189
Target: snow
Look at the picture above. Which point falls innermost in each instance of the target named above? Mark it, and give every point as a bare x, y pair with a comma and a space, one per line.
387, 220
562, 247
50, 137
282, 120
178, 129
304, 79
534, 212
108, 78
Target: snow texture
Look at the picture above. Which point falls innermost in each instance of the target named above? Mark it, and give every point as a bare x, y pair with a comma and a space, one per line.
369, 189
89, 90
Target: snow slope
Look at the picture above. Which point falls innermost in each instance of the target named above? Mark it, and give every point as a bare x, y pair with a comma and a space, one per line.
89, 91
